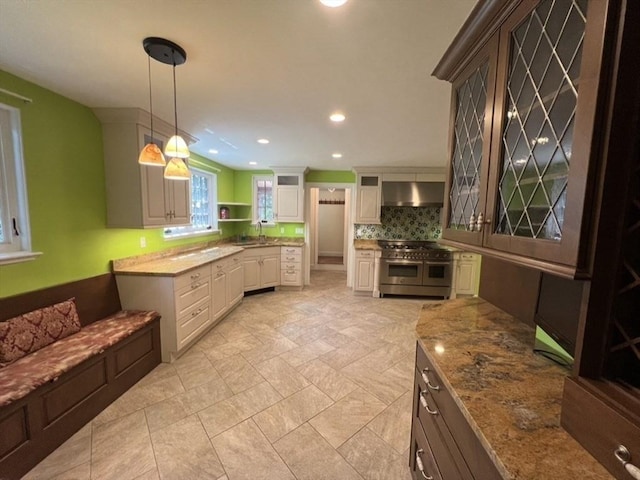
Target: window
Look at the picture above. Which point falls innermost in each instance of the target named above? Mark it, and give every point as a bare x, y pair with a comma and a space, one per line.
15, 236
263, 199
204, 205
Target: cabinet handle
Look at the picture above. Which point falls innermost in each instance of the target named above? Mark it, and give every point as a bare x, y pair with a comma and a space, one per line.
193, 277
196, 313
219, 266
195, 285
236, 259
420, 465
220, 274
481, 221
425, 377
291, 258
424, 403
624, 456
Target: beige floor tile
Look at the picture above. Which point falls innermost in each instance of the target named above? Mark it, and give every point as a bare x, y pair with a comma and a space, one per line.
387, 386
231, 330
227, 413
247, 455
306, 353
183, 450
268, 350
372, 457
162, 371
161, 414
337, 340
393, 425
150, 475
327, 379
228, 349
286, 415
348, 415
343, 356
81, 472
282, 376
122, 449
237, 373
72, 453
197, 372
310, 457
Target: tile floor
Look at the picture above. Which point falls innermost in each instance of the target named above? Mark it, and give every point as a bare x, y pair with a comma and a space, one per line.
309, 385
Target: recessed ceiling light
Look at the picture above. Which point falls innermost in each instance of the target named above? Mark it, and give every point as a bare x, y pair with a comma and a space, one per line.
336, 155
253, 163
213, 151
337, 117
263, 141
333, 3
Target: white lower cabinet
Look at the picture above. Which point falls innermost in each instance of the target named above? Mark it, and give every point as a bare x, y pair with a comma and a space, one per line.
466, 274
261, 268
365, 271
291, 266
189, 304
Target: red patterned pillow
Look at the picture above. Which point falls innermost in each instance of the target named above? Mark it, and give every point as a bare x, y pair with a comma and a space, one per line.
31, 331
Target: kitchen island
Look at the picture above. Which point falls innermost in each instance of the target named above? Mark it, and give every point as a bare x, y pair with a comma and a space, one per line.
491, 397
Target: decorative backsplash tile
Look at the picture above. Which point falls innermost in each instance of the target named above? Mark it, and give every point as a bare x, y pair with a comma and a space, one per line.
407, 223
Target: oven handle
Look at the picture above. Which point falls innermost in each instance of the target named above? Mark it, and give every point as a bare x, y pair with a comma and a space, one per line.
429, 262
400, 261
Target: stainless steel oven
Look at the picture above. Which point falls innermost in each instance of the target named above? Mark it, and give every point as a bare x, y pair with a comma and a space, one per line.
415, 268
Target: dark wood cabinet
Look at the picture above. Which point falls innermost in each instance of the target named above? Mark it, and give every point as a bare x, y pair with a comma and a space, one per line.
525, 122
558, 185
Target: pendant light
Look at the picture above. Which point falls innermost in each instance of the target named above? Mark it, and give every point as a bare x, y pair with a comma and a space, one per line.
151, 153
170, 53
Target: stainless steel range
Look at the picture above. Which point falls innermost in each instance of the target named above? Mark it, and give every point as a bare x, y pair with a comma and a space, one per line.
410, 267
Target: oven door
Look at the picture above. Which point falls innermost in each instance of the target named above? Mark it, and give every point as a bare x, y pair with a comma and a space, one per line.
437, 273
401, 272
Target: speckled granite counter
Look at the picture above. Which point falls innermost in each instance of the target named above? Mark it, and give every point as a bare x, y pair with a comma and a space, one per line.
510, 396
360, 244
177, 261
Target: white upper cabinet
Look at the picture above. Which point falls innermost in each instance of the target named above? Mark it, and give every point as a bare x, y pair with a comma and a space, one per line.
138, 196
368, 198
288, 194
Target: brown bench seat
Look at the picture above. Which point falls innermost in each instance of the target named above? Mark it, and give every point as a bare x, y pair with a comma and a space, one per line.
49, 394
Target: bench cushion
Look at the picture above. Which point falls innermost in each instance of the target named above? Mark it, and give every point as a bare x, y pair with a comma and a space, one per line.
47, 364
29, 332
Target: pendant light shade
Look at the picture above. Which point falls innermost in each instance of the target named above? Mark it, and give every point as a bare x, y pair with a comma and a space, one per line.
177, 170
177, 147
152, 155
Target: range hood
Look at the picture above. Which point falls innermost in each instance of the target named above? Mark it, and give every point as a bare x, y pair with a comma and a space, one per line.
412, 194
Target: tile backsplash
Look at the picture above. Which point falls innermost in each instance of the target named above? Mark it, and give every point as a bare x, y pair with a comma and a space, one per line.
407, 223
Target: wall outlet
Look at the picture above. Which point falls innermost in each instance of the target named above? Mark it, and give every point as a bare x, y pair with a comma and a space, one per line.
143, 242
281, 230
299, 230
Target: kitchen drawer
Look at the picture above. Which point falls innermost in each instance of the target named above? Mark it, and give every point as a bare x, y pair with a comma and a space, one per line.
365, 254
192, 324
449, 413
191, 277
291, 257
290, 266
291, 277
421, 456
468, 256
192, 293
291, 251
450, 461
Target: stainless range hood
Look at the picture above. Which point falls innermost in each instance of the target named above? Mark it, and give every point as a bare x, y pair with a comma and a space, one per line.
412, 194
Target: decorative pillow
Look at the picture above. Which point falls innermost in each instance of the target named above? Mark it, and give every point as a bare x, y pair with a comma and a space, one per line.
31, 331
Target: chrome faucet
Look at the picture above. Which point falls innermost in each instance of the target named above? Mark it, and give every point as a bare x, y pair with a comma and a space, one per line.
261, 237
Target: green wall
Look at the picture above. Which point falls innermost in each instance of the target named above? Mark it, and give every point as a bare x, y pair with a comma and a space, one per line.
62, 144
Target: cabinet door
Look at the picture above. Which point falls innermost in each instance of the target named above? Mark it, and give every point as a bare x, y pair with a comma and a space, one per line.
368, 205
270, 271
154, 203
546, 96
288, 204
235, 285
179, 201
467, 177
219, 294
364, 274
465, 278
251, 273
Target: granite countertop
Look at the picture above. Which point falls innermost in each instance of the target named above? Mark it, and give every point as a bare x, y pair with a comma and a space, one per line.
176, 261
361, 244
511, 396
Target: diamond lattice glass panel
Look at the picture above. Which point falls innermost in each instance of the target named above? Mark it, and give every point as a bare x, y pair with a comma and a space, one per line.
467, 152
200, 195
542, 92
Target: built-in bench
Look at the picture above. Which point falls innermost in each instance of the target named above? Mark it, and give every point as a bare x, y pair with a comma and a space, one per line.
48, 395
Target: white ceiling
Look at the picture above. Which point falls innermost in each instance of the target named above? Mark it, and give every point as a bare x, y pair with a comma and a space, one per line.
255, 68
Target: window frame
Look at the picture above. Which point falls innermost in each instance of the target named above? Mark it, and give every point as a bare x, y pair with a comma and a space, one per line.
177, 232
14, 205
254, 211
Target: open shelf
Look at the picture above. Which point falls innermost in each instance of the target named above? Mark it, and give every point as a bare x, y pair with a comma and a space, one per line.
236, 204
234, 220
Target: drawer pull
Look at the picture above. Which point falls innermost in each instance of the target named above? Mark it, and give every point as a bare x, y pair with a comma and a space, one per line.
195, 285
193, 277
424, 403
624, 456
420, 465
219, 266
196, 313
219, 274
425, 377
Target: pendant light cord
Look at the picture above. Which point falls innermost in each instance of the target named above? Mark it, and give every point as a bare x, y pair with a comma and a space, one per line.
153, 140
175, 101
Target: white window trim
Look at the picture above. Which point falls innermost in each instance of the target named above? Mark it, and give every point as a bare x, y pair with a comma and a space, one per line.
254, 210
190, 232
13, 191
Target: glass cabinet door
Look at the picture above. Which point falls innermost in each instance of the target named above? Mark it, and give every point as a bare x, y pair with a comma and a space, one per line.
471, 138
535, 163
